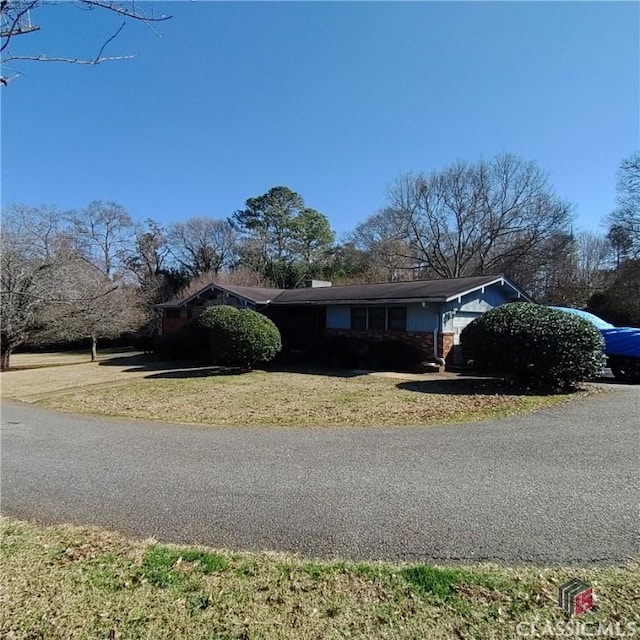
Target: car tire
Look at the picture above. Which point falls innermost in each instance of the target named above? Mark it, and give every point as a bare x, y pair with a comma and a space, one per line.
625, 370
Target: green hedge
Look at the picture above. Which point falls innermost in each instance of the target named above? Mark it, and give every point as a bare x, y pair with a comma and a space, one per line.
537, 346
237, 337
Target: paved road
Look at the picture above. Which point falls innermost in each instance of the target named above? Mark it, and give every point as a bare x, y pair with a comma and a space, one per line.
559, 486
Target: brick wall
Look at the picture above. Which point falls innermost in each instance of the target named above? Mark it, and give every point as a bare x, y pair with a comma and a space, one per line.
420, 339
445, 346
169, 325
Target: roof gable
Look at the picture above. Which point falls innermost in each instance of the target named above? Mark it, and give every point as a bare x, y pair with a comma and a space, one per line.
253, 295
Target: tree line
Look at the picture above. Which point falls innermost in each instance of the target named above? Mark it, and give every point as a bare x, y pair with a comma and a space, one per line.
96, 273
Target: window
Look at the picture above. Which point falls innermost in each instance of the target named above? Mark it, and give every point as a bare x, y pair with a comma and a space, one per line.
379, 318
397, 318
358, 317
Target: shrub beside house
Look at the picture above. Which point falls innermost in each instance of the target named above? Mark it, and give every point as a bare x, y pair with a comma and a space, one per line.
237, 337
537, 346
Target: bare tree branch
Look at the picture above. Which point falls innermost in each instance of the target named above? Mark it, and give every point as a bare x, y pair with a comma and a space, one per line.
46, 58
115, 35
12, 25
15, 19
117, 7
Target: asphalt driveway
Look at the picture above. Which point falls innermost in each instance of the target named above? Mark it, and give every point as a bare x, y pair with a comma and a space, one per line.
559, 486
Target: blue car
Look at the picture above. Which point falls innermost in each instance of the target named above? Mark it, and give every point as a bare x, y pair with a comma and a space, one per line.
621, 346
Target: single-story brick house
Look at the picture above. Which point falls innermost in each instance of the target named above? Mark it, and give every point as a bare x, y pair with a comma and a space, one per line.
427, 313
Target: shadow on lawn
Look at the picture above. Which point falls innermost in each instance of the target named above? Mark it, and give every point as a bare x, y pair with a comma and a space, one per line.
145, 362
200, 371
313, 370
197, 372
169, 369
466, 387
196, 369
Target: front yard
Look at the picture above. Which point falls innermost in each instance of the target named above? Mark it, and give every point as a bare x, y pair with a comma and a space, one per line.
135, 388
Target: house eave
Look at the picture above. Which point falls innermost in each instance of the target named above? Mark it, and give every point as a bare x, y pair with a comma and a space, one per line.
358, 301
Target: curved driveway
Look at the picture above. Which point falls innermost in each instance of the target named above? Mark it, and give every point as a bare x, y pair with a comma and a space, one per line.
559, 486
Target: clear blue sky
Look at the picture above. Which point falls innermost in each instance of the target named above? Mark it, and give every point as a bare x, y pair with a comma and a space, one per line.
333, 100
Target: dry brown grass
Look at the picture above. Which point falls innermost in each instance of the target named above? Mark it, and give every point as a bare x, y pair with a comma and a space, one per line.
296, 399
78, 583
37, 375
138, 388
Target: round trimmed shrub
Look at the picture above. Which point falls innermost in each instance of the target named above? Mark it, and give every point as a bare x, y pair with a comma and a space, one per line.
238, 337
537, 346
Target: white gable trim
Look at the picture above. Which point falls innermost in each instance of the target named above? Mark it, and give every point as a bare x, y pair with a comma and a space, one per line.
500, 280
211, 287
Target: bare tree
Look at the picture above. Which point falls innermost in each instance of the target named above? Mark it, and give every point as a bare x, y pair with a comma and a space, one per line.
50, 290
384, 240
240, 276
151, 251
103, 232
21, 297
203, 244
31, 258
594, 253
621, 243
624, 222
148, 259
566, 269
17, 19
94, 307
472, 219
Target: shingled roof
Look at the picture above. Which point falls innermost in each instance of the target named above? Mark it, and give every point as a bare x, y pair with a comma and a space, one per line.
442, 290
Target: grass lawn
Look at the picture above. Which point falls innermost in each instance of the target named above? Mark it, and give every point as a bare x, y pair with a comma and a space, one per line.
70, 582
296, 399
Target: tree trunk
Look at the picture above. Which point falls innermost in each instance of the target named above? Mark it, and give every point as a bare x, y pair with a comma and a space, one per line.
94, 348
6, 355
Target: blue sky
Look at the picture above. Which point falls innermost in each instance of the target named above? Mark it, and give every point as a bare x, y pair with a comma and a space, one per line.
333, 100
